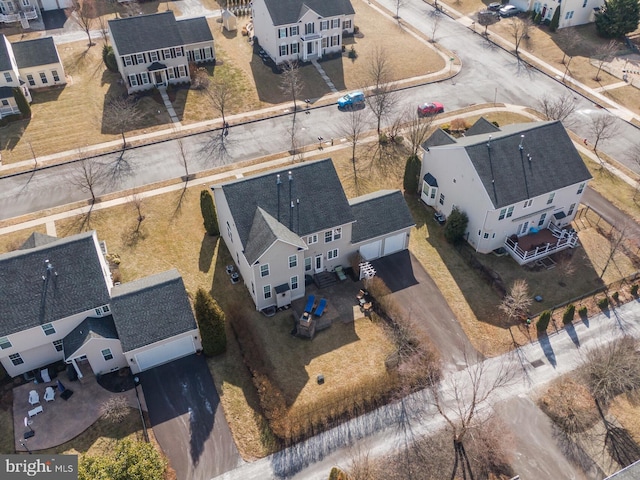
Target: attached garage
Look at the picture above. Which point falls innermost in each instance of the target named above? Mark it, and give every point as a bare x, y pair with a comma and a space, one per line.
165, 352
48, 5
394, 243
371, 251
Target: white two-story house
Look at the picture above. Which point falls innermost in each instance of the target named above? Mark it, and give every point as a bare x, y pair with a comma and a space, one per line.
155, 50
301, 29
59, 304
520, 185
31, 64
287, 224
572, 12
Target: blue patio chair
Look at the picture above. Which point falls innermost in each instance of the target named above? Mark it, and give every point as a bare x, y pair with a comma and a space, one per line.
310, 301
321, 306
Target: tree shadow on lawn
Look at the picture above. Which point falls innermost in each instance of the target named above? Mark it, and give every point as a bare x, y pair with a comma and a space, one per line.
207, 248
285, 356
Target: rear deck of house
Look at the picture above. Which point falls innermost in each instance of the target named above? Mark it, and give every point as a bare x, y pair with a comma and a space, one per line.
540, 244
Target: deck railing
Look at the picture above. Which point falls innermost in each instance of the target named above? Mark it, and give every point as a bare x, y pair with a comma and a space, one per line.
566, 239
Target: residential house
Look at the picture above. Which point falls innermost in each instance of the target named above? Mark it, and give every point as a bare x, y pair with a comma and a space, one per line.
14, 11
303, 30
59, 303
520, 185
156, 50
283, 226
572, 12
31, 64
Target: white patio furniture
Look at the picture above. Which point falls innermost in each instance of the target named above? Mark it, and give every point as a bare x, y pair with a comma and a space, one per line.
49, 394
46, 378
34, 397
35, 411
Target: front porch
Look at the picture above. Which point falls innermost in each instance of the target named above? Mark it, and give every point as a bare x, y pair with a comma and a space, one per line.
62, 420
540, 244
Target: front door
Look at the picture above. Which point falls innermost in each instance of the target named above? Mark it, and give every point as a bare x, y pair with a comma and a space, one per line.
159, 80
318, 263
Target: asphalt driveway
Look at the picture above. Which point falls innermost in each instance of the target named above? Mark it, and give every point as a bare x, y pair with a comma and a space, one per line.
418, 295
188, 420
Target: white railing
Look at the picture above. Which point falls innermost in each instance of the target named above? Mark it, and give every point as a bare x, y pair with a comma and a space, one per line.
30, 13
9, 17
569, 239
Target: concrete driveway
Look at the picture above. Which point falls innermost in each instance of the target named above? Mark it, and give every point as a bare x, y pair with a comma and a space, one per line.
419, 296
188, 420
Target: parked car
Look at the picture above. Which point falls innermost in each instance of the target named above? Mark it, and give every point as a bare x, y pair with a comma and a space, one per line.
489, 13
440, 218
351, 101
494, 6
508, 11
430, 108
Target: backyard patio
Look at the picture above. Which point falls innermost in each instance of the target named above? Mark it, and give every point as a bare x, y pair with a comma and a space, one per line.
59, 420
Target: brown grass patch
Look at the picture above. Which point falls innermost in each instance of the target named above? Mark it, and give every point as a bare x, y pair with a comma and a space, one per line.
12, 241
569, 405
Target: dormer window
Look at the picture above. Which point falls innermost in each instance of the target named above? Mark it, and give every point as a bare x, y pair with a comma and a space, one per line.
48, 329
5, 343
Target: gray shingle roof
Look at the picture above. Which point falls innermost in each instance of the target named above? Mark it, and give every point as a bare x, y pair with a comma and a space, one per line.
507, 173
438, 137
151, 309
6, 92
90, 327
29, 301
5, 59
482, 125
284, 12
264, 231
323, 203
143, 33
430, 179
379, 213
31, 53
632, 472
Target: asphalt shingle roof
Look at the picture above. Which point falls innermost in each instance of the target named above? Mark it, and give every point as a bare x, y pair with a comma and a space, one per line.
143, 33
632, 472
151, 309
37, 239
6, 92
76, 283
482, 125
31, 53
264, 232
90, 328
323, 203
379, 213
284, 12
5, 59
548, 161
438, 137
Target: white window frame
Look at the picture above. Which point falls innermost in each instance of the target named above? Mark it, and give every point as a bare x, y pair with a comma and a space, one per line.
283, 50
16, 359
294, 31
346, 25
48, 329
5, 343
197, 55
293, 261
171, 74
229, 232
166, 53
43, 78
527, 203
8, 77
510, 211
5, 102
294, 282
308, 264
335, 40
335, 23
264, 270
324, 25
581, 188
282, 32
106, 352
133, 80
572, 207
266, 292
182, 70
543, 217
325, 42
551, 197
54, 74
153, 56
57, 344
31, 80
144, 78
311, 239
441, 200
295, 48
140, 58
126, 59
333, 254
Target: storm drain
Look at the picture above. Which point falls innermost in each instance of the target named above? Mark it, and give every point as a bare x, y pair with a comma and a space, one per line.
537, 363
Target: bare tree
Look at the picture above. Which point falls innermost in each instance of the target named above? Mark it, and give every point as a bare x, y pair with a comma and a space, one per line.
462, 400
103, 25
604, 54
612, 369
557, 108
136, 202
416, 130
223, 94
84, 15
486, 20
120, 115
398, 4
353, 127
517, 302
291, 85
435, 23
567, 39
87, 175
519, 29
383, 98
602, 128
617, 236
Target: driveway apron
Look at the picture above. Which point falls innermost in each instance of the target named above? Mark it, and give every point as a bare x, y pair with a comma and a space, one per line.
188, 420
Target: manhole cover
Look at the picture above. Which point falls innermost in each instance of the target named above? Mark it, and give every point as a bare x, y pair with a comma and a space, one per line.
537, 363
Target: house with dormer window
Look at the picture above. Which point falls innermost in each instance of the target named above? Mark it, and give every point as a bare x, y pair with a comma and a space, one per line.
156, 50
285, 225
59, 303
302, 30
520, 185
572, 12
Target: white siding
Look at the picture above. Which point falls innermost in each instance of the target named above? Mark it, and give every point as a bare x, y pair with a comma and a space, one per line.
147, 355
93, 350
47, 70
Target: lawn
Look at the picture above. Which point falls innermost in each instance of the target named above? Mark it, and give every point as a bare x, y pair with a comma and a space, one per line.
12, 241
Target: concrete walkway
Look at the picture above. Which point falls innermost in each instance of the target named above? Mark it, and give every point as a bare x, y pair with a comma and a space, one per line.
324, 76
167, 103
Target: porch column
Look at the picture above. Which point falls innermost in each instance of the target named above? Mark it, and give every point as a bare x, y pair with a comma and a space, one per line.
75, 366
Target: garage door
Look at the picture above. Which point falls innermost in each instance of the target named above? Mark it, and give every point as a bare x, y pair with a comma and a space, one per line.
371, 251
394, 244
165, 353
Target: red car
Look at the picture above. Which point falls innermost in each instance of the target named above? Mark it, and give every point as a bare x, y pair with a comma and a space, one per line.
430, 109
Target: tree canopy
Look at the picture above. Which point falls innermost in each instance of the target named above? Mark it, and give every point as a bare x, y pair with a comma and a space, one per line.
456, 226
617, 18
129, 460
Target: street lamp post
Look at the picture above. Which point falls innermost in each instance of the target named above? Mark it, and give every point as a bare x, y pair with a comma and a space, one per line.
24, 444
136, 382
